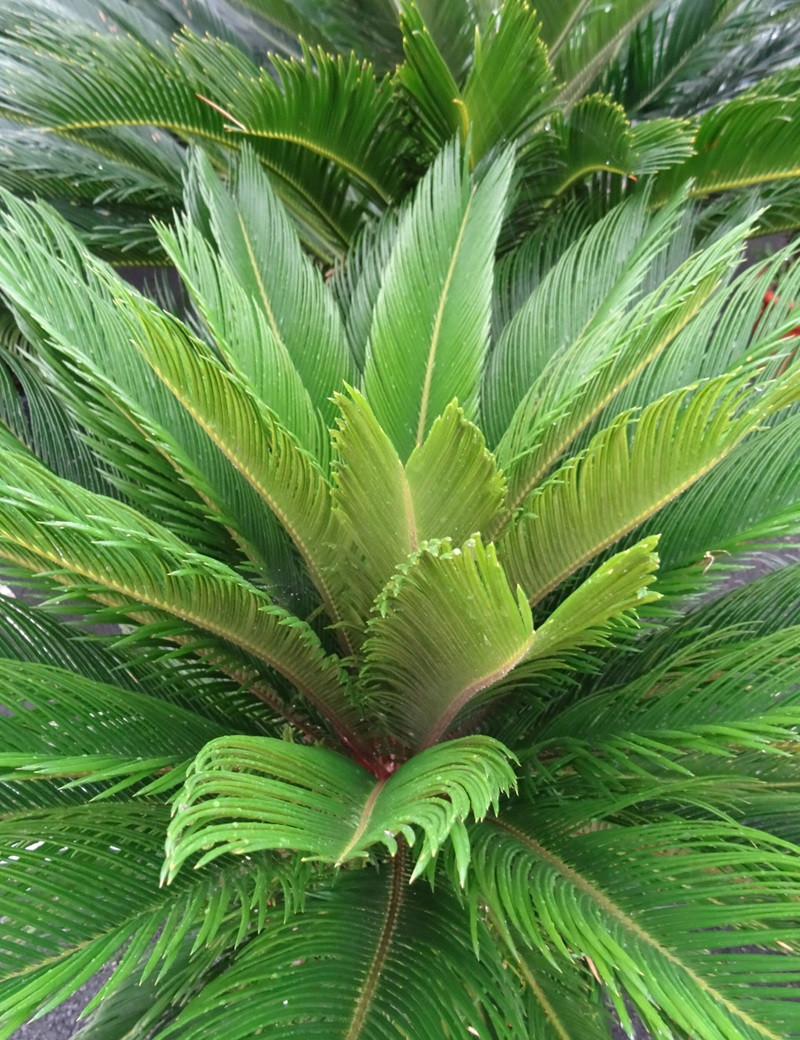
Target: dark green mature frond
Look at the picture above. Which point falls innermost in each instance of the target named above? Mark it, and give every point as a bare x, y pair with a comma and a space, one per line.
63, 726
764, 118
430, 329
597, 136
75, 935
588, 38
317, 125
109, 551
712, 698
319, 974
248, 794
614, 884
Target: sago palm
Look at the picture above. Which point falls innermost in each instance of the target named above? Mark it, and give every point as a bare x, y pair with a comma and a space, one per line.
345, 104
402, 730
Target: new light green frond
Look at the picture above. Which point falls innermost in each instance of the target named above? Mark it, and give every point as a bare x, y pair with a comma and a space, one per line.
649, 460
342, 969
608, 598
455, 485
450, 627
372, 500
249, 794
431, 325
629, 905
89, 542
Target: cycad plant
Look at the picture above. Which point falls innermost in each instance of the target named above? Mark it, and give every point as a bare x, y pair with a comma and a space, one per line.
401, 731
346, 103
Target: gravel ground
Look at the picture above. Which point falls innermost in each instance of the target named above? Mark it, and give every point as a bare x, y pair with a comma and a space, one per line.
62, 1022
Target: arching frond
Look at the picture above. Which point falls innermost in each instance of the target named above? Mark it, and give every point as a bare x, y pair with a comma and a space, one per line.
587, 378
103, 547
670, 446
450, 627
247, 794
625, 905
264, 302
319, 973
76, 934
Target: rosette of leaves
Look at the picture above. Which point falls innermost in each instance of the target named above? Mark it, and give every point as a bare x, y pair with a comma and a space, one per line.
345, 105
400, 730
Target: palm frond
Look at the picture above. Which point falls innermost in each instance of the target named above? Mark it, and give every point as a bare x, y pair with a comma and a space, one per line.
765, 119
317, 973
107, 550
436, 296
449, 628
78, 933
601, 273
670, 446
263, 301
249, 794
591, 379
594, 34
63, 726
614, 886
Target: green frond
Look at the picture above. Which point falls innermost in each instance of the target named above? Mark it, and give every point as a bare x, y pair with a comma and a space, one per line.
711, 698
71, 295
60, 725
626, 904
726, 515
377, 532
267, 457
209, 91
509, 88
765, 121
431, 325
264, 303
608, 599
587, 379
92, 543
427, 85
35, 414
589, 38
455, 485
650, 459
601, 274
597, 136
117, 844
248, 794
449, 627
319, 975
